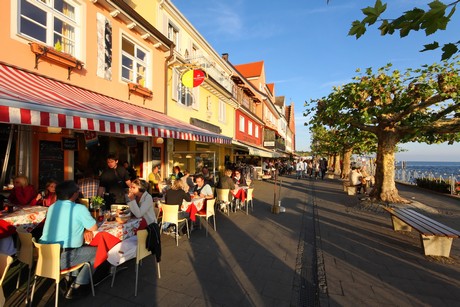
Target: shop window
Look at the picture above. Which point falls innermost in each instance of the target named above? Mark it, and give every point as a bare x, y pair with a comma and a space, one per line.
133, 63
52, 22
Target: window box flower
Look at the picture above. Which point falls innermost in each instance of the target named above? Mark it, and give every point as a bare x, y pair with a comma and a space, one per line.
140, 90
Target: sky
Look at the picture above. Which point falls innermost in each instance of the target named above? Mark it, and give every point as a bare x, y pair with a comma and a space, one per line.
306, 49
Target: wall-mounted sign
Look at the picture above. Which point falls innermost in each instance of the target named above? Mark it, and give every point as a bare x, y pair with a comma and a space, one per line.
69, 144
193, 78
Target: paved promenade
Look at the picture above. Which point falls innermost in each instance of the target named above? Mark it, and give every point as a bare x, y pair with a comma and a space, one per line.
265, 259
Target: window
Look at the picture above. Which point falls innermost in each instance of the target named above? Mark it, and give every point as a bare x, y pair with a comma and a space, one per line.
256, 130
133, 62
52, 22
249, 127
222, 115
241, 123
173, 34
185, 96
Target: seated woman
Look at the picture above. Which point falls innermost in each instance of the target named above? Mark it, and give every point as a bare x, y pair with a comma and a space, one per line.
226, 182
238, 179
175, 196
177, 173
140, 202
23, 192
47, 197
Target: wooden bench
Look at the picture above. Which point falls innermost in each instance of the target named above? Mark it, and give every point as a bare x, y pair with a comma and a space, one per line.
436, 238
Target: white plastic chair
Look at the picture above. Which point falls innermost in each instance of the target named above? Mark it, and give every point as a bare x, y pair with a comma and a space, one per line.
5, 262
49, 266
223, 198
171, 215
141, 253
249, 199
209, 212
25, 254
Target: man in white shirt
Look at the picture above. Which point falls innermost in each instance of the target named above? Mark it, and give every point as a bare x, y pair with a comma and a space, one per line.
300, 168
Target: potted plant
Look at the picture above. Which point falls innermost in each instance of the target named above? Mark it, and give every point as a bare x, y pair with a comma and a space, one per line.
95, 206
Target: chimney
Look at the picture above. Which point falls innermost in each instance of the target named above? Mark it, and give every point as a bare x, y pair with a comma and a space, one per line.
225, 57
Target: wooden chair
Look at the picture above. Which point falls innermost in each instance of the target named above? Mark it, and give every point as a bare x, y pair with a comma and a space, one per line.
170, 215
5, 262
223, 198
25, 254
208, 213
141, 253
49, 266
249, 199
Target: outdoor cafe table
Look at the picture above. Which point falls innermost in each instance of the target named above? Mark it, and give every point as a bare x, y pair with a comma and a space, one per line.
193, 206
27, 218
110, 234
240, 193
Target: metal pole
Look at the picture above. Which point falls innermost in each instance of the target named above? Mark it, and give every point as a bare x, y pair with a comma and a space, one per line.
7, 156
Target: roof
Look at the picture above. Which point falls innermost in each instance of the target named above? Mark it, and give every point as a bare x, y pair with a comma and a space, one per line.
250, 70
271, 88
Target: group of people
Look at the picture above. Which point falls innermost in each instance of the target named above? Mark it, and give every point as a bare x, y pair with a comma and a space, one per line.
360, 178
312, 168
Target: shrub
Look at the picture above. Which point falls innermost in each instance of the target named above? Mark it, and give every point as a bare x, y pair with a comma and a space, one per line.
437, 185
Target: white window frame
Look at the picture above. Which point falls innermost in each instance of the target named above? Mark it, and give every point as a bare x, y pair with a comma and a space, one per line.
256, 131
173, 34
136, 61
250, 127
241, 123
47, 7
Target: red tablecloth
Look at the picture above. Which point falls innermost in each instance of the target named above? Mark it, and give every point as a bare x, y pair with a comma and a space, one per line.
6, 229
104, 242
195, 206
240, 194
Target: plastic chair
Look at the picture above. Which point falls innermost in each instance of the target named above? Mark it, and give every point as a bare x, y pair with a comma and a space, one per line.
170, 215
5, 262
25, 254
49, 266
208, 213
141, 253
249, 199
223, 198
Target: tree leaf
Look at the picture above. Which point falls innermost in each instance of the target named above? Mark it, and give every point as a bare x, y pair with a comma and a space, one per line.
434, 45
357, 29
449, 50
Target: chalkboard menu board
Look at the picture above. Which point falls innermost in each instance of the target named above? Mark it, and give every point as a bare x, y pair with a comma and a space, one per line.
51, 163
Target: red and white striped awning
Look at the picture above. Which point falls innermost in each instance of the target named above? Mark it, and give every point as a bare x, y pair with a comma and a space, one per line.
30, 99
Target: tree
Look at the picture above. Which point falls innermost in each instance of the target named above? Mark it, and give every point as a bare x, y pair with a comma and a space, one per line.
421, 105
435, 18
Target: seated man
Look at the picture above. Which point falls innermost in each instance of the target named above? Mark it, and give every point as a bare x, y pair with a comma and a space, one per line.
355, 180
69, 224
202, 189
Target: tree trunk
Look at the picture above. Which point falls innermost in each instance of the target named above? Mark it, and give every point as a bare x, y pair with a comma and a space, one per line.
346, 163
385, 186
337, 168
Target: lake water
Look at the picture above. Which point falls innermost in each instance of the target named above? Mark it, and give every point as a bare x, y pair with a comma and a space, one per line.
444, 169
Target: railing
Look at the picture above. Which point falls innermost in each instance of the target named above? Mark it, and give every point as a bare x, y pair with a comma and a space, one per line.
411, 176
213, 71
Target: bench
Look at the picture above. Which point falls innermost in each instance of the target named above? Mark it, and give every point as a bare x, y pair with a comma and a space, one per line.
347, 187
436, 238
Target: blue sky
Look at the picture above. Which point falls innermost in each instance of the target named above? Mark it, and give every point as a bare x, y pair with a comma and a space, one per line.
306, 49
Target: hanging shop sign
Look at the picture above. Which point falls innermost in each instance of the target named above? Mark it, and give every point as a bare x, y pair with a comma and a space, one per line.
193, 78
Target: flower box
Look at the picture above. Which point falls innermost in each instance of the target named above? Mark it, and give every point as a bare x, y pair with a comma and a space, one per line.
51, 54
140, 90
